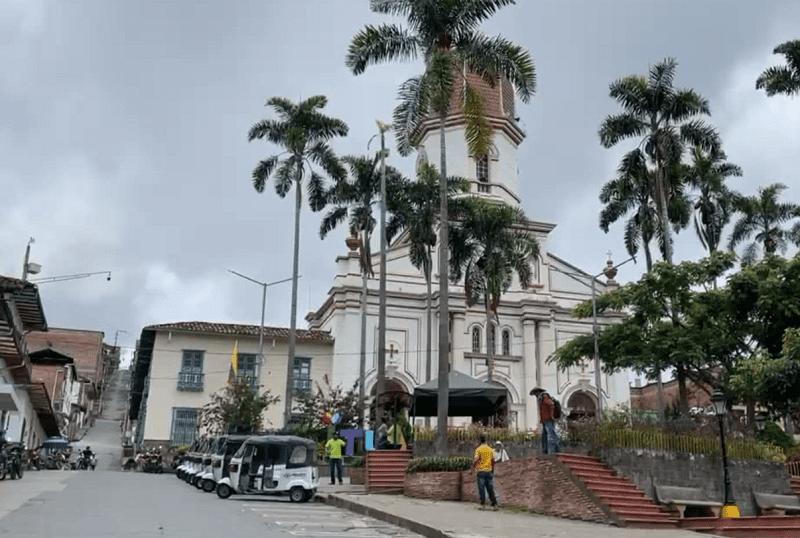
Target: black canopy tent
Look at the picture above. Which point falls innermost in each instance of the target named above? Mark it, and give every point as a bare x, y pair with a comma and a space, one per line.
469, 397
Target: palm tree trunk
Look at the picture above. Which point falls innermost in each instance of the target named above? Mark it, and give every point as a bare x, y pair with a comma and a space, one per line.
661, 189
489, 344
444, 317
429, 325
287, 410
362, 366
648, 258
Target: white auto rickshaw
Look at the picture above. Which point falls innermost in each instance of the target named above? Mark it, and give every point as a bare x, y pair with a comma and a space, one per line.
273, 465
225, 448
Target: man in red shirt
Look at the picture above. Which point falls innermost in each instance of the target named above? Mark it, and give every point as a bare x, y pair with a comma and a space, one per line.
546, 411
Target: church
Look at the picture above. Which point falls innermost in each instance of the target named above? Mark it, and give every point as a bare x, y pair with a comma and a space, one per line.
533, 322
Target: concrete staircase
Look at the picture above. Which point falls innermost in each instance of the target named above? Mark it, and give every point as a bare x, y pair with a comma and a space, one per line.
617, 493
795, 483
386, 470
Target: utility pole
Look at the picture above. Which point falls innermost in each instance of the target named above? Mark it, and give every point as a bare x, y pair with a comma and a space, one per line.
27, 267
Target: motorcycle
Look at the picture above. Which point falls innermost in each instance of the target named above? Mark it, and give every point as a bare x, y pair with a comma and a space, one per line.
11, 462
86, 462
32, 460
151, 461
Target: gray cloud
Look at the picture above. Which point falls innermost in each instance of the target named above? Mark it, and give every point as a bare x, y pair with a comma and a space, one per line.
123, 141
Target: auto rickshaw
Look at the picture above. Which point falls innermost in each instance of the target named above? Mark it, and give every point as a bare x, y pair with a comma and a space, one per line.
226, 447
273, 465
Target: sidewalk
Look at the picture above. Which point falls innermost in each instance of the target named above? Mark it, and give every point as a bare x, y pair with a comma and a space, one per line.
448, 519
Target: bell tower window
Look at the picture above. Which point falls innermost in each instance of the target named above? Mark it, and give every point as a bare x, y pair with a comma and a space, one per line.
482, 173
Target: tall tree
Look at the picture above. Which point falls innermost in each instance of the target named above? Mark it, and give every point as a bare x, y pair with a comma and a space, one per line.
713, 205
490, 246
763, 215
783, 78
353, 198
631, 191
667, 120
303, 132
416, 212
445, 34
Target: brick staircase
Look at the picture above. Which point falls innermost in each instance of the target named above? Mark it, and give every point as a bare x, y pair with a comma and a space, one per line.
617, 493
745, 527
386, 470
795, 483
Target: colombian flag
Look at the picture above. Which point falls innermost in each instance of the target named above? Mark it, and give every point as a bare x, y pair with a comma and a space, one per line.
234, 364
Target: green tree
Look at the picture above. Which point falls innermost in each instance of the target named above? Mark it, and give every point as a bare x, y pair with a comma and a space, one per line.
713, 205
353, 198
415, 212
238, 408
445, 34
303, 132
329, 399
667, 120
783, 78
490, 245
763, 215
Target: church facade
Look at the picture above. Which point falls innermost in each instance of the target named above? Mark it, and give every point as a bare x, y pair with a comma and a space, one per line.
533, 322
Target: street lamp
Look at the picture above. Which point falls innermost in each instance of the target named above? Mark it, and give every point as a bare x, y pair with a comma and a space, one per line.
29, 267
62, 278
718, 401
116, 335
610, 272
263, 309
761, 421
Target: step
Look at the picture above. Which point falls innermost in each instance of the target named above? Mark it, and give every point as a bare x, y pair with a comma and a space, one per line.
623, 497
613, 482
612, 490
581, 468
641, 513
638, 523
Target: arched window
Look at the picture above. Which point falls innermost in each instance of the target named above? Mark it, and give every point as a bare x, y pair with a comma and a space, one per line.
482, 173
490, 340
422, 157
506, 342
476, 340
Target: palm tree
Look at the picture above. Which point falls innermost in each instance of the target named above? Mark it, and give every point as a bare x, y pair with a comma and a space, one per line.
666, 119
353, 199
763, 216
783, 78
631, 191
415, 212
713, 206
489, 246
445, 34
303, 131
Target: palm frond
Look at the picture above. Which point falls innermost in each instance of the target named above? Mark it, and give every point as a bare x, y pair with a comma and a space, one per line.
287, 171
700, 134
414, 99
631, 93
779, 79
478, 132
375, 44
686, 104
618, 127
271, 130
262, 172
333, 218
749, 254
322, 155
494, 57
315, 189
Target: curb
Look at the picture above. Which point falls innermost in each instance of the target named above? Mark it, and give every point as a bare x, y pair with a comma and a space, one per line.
408, 524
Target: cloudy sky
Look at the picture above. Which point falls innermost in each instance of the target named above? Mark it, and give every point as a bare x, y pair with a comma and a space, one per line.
123, 136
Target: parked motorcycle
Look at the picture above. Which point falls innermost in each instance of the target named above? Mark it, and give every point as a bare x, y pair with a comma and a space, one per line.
11, 461
151, 461
32, 460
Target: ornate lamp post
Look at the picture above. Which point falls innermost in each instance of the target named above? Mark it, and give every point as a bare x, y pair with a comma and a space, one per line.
718, 401
761, 421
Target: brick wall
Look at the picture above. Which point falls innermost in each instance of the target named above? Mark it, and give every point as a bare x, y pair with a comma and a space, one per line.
515, 449
444, 486
646, 397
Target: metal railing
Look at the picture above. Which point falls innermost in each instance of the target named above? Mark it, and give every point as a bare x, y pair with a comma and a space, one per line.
190, 381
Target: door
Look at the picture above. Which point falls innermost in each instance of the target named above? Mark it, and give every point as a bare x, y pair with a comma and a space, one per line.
244, 469
272, 457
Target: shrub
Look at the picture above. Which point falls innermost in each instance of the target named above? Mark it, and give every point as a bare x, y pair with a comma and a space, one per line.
438, 464
772, 433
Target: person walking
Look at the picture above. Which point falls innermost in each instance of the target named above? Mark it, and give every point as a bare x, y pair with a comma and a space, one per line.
550, 443
334, 448
484, 462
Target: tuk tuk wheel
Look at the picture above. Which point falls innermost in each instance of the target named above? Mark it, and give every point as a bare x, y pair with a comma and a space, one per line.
209, 485
224, 491
297, 495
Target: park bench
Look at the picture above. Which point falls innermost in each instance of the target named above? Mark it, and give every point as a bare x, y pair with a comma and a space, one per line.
776, 505
681, 498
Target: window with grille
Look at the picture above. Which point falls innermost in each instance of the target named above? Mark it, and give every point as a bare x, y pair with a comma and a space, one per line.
191, 374
482, 173
490, 339
506, 342
476, 340
246, 367
301, 376
184, 425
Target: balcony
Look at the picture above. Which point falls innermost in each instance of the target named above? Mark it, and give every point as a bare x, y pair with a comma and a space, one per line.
249, 379
190, 381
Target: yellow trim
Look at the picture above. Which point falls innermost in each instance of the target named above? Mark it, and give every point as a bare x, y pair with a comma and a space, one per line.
730, 510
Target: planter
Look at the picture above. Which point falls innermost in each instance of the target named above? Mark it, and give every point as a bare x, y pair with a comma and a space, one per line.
357, 475
443, 486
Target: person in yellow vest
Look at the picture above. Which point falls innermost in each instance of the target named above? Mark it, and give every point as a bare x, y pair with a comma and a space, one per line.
334, 448
484, 462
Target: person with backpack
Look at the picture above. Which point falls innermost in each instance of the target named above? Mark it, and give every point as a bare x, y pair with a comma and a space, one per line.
549, 412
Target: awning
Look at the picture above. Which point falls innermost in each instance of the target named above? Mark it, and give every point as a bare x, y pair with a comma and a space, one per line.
468, 397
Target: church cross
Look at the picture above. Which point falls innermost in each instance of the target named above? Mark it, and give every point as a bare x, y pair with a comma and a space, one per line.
391, 351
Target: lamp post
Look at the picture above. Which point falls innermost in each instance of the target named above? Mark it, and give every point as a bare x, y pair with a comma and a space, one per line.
116, 335
610, 272
28, 267
264, 287
63, 278
761, 421
718, 401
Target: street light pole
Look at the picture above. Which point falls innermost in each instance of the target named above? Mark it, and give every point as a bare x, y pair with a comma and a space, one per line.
263, 310
116, 335
729, 509
380, 387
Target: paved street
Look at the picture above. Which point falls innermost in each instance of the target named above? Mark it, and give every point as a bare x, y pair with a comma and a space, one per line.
110, 503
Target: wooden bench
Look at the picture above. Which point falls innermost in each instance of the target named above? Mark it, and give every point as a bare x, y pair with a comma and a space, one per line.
680, 498
776, 505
